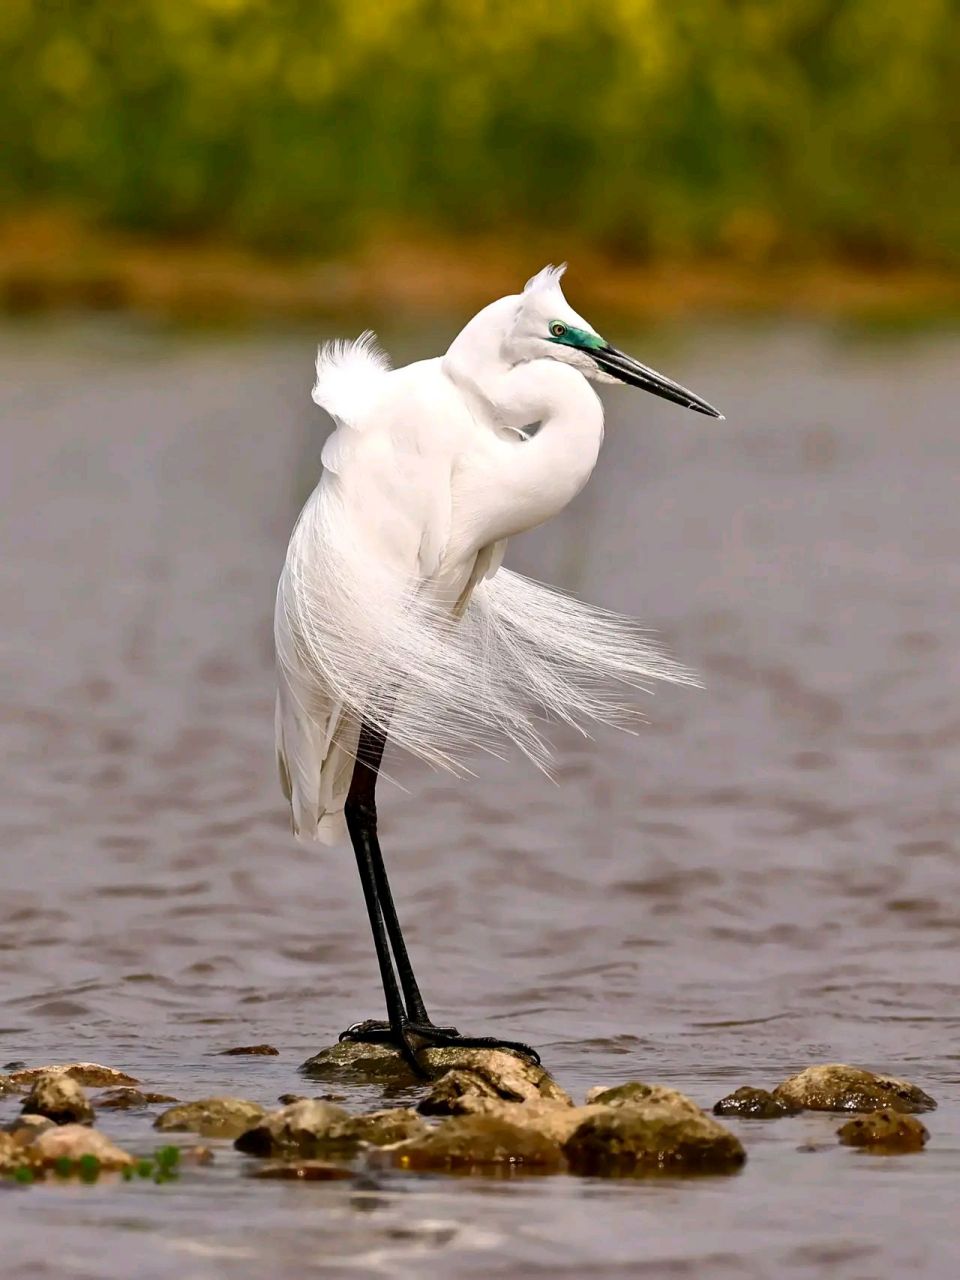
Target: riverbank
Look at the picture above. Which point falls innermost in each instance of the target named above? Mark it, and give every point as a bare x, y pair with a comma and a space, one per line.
52, 262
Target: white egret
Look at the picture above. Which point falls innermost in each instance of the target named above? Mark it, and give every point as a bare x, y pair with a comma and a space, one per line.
394, 614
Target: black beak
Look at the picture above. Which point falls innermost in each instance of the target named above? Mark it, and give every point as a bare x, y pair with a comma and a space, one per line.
635, 374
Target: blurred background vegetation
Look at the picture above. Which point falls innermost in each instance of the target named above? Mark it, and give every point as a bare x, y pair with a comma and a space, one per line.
748, 133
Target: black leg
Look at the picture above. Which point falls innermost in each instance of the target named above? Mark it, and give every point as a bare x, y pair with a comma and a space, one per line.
361, 814
409, 1025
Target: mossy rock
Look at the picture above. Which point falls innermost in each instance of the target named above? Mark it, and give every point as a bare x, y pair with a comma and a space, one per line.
661, 1130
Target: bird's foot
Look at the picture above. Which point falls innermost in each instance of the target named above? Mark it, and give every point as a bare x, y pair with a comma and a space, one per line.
412, 1037
375, 1031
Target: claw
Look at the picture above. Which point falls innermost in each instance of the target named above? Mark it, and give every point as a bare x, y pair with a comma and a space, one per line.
377, 1032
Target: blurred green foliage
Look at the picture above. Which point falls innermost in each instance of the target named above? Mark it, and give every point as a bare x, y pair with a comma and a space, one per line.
748, 128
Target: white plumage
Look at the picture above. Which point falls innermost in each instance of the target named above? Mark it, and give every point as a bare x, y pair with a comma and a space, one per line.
393, 606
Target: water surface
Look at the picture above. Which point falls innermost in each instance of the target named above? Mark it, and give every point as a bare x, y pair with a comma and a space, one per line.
766, 876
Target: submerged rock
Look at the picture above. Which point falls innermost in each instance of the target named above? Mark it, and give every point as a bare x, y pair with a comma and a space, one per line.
58, 1097
758, 1103
650, 1128
90, 1074
126, 1099
478, 1143
72, 1141
314, 1127
835, 1086
212, 1117
886, 1130
303, 1171
253, 1050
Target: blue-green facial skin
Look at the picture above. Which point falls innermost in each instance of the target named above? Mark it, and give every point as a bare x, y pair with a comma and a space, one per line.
576, 338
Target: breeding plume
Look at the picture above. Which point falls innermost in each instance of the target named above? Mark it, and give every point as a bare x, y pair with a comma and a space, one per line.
395, 616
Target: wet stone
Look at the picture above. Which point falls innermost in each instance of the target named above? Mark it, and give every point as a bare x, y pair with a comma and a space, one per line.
11, 1153
757, 1103
128, 1099
252, 1051
24, 1129
90, 1074
315, 1127
660, 1130
886, 1130
555, 1121
302, 1171
72, 1141
836, 1086
497, 1072
58, 1097
212, 1117
477, 1144
636, 1091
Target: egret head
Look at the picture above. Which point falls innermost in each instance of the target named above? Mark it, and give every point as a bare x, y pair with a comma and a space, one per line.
547, 327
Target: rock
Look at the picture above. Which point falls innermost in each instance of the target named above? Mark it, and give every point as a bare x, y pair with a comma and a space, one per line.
297, 1129
838, 1087
25, 1128
286, 1098
126, 1099
478, 1143
253, 1050
651, 1131
351, 1061
635, 1091
757, 1103
71, 1141
887, 1130
58, 1097
555, 1121
8, 1086
314, 1127
509, 1076
383, 1128
303, 1171
212, 1117
90, 1074
498, 1075
11, 1153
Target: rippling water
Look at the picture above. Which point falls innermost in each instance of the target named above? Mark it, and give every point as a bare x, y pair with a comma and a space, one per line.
765, 877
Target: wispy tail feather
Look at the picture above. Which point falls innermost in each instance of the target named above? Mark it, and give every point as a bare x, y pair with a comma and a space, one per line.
388, 649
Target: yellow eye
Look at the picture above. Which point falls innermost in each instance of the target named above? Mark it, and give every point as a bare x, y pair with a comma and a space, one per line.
558, 329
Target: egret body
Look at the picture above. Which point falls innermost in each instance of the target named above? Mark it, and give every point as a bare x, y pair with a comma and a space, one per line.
394, 614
